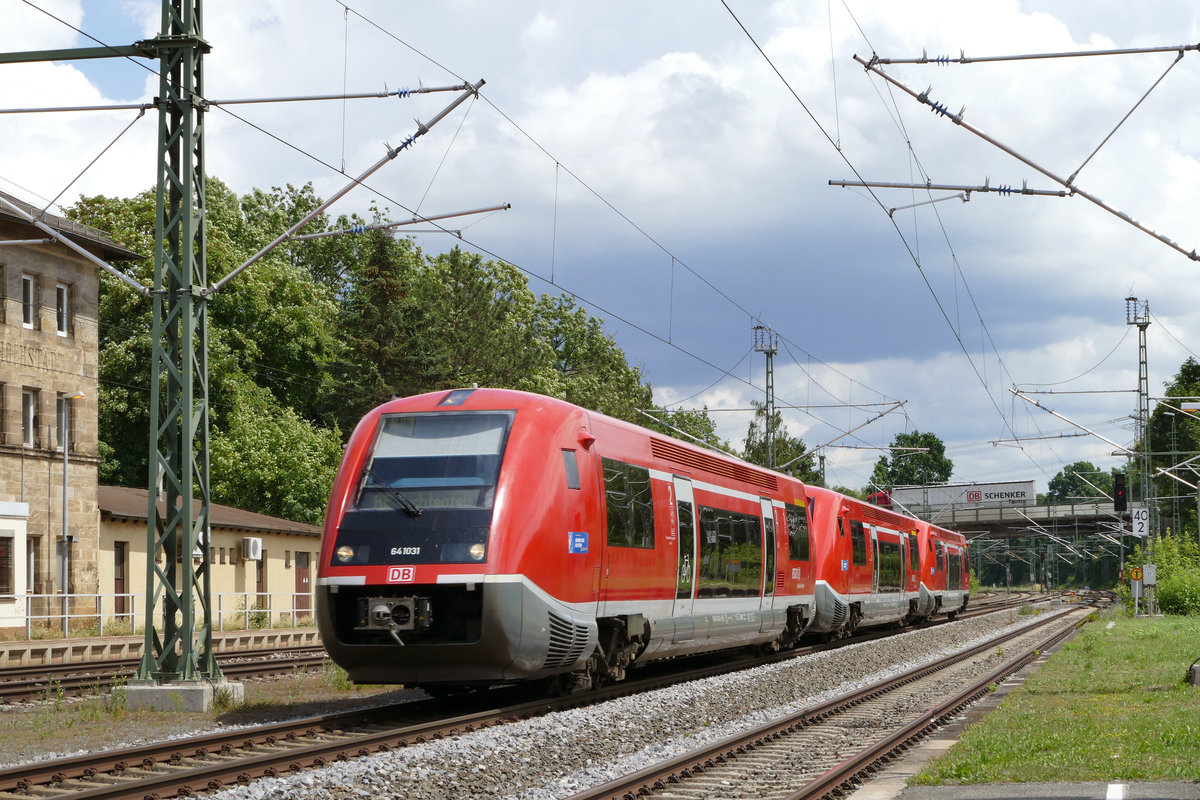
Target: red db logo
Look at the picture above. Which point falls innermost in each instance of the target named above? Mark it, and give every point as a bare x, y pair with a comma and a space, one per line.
401, 575
974, 497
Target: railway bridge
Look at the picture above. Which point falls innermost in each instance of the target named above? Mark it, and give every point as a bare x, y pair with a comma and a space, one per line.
1001, 522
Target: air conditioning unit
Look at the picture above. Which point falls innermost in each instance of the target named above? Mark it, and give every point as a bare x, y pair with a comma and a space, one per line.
252, 548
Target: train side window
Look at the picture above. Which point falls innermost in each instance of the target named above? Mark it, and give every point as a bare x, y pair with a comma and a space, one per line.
858, 543
571, 464
890, 562
731, 554
954, 579
941, 557
630, 505
797, 523
914, 553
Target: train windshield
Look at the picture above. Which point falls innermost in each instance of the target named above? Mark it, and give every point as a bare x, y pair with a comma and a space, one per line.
435, 460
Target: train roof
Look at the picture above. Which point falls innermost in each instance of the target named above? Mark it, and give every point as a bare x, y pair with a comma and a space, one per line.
660, 445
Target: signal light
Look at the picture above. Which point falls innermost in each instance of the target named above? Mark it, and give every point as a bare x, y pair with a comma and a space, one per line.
1120, 501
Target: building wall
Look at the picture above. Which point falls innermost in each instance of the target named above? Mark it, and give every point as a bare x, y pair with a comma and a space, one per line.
12, 532
233, 579
39, 358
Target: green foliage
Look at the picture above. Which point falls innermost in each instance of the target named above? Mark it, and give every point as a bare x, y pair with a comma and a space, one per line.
318, 332
911, 468
690, 425
1110, 705
790, 452
1071, 484
266, 458
1178, 574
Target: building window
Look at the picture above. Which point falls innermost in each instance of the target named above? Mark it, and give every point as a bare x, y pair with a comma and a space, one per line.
29, 417
62, 309
7, 575
28, 301
64, 434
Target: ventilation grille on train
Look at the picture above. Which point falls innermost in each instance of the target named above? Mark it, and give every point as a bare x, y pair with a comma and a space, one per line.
566, 642
670, 451
841, 612
881, 516
779, 581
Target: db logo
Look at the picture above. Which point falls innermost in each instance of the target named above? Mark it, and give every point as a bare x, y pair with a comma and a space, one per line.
975, 496
401, 574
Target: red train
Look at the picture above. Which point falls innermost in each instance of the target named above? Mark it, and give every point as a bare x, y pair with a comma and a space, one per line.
483, 536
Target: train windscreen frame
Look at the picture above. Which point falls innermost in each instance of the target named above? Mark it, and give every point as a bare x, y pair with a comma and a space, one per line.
440, 459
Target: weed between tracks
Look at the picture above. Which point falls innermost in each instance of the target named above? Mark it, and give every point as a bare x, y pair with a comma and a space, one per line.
1110, 705
60, 724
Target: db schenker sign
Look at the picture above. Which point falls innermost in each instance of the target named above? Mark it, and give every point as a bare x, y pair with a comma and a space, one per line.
968, 495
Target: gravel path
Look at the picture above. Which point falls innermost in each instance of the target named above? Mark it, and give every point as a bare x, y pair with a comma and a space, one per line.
556, 755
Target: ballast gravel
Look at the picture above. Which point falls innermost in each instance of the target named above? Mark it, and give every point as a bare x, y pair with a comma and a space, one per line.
557, 755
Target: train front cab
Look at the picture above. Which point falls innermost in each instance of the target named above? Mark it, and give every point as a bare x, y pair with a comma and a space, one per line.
945, 571
496, 579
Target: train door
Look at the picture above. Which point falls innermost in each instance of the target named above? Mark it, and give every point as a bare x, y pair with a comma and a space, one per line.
685, 568
874, 560
767, 598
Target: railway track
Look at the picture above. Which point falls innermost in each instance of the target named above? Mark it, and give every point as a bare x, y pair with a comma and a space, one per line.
43, 682
216, 760
802, 756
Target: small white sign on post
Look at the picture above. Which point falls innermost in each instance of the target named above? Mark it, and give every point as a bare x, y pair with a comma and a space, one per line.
1140, 521
1148, 574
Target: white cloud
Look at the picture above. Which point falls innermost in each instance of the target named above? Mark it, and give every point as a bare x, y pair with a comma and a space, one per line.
671, 116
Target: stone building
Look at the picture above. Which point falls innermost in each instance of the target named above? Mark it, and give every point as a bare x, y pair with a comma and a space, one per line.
48, 371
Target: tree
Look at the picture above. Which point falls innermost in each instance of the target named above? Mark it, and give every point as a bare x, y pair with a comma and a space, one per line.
1071, 484
587, 366
791, 454
909, 467
266, 458
317, 332
1174, 437
691, 425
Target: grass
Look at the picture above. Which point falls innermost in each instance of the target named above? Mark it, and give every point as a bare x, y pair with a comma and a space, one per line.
1110, 705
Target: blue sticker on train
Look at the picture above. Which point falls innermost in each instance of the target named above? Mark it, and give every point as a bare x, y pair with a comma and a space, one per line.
845, 565
578, 541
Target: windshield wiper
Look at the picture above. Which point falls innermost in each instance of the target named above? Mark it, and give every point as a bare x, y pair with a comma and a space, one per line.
409, 506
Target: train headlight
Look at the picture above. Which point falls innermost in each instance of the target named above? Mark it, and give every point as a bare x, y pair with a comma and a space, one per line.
344, 553
477, 551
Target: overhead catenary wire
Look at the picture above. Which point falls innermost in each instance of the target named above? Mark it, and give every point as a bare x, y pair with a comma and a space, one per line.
594, 305
392, 152
913, 256
942, 111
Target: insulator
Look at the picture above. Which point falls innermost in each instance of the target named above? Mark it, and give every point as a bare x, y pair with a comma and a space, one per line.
403, 93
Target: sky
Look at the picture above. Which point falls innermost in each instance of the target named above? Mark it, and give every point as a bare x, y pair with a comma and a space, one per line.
668, 164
